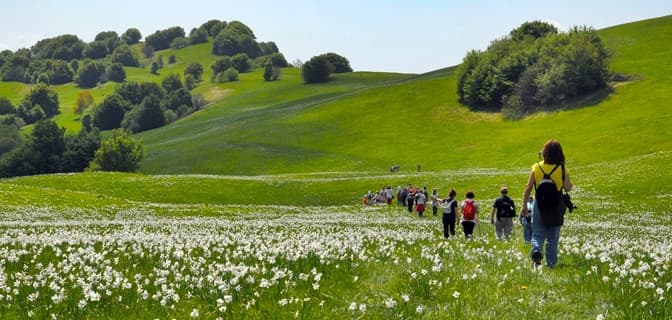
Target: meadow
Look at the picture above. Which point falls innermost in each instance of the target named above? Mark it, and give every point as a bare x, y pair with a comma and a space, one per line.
251, 208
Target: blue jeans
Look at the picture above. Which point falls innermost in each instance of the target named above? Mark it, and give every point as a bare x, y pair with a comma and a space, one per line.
541, 233
527, 230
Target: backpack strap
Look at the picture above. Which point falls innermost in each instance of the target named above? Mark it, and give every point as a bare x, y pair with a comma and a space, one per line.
549, 174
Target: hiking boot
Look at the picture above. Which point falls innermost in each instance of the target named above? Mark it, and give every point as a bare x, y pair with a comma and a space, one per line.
536, 259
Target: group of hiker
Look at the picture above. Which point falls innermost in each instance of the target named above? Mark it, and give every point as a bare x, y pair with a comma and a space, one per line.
541, 217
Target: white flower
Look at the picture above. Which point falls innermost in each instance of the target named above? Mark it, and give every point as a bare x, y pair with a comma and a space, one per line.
456, 294
194, 313
405, 297
390, 303
353, 306
420, 308
283, 302
362, 307
600, 317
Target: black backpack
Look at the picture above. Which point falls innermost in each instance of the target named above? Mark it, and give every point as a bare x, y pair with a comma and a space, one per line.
507, 208
549, 200
546, 194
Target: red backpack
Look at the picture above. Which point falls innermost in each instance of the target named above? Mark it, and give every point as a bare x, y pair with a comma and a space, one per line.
469, 210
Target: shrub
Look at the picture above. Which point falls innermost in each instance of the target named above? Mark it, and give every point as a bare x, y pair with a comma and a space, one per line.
316, 70
118, 153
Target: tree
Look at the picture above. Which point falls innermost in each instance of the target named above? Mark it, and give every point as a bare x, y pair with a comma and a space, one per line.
111, 39
96, 50
317, 69
109, 114
118, 153
195, 69
230, 74
190, 82
241, 62
150, 115
131, 92
172, 59
84, 100
125, 56
176, 98
115, 72
131, 36
277, 60
340, 63
198, 35
45, 97
64, 47
225, 45
160, 40
90, 74
535, 29
60, 72
213, 27
6, 106
271, 73
179, 43
220, 65
172, 82
154, 69
148, 50
80, 149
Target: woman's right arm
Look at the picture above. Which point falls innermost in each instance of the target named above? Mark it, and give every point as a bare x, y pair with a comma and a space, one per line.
526, 194
567, 183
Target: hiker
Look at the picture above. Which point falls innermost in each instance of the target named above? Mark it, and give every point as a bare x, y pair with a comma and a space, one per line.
526, 222
505, 209
421, 203
368, 197
410, 197
548, 178
469, 209
401, 196
449, 208
389, 195
435, 202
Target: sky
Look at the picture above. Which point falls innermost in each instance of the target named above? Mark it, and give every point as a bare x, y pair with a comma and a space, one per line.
393, 36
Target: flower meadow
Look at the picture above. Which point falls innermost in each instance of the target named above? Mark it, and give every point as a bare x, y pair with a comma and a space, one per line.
274, 262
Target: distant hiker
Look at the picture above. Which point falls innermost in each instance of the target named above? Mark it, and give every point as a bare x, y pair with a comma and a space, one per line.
526, 222
449, 208
418, 167
421, 203
435, 202
504, 209
425, 192
380, 197
469, 209
410, 198
394, 168
389, 195
401, 196
548, 178
368, 197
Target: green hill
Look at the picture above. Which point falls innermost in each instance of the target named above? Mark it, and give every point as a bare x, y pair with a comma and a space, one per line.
367, 122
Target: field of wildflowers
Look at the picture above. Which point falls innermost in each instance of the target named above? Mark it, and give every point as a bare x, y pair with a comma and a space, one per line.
322, 262
73, 251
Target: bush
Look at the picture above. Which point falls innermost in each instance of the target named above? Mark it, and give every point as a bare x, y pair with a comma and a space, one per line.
179, 43
6, 106
190, 82
534, 68
172, 59
84, 100
109, 114
170, 116
241, 62
118, 153
221, 64
172, 82
230, 74
154, 68
131, 36
115, 72
316, 70
90, 74
340, 63
271, 73
195, 69
162, 39
125, 56
198, 35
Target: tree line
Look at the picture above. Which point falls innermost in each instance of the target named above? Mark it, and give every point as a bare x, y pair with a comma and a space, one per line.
533, 68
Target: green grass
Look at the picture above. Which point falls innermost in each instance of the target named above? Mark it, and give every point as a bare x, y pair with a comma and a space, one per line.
284, 166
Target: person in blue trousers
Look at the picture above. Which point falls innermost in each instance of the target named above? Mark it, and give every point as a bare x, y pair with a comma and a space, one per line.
553, 158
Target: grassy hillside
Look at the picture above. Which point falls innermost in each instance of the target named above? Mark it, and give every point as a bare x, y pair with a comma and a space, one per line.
367, 122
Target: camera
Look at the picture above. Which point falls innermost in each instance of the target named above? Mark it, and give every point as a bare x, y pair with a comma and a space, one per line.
567, 199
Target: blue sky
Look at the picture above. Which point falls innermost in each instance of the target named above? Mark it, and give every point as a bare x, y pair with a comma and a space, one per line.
397, 36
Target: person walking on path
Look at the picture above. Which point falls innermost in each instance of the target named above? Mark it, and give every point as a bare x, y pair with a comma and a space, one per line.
449, 208
526, 222
410, 197
469, 209
548, 178
420, 203
503, 211
435, 202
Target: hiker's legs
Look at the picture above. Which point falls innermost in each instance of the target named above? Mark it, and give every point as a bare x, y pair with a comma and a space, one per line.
552, 238
468, 228
452, 225
527, 230
434, 210
539, 231
508, 227
499, 228
446, 225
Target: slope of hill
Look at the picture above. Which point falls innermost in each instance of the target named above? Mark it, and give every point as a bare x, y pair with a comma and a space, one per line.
367, 122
